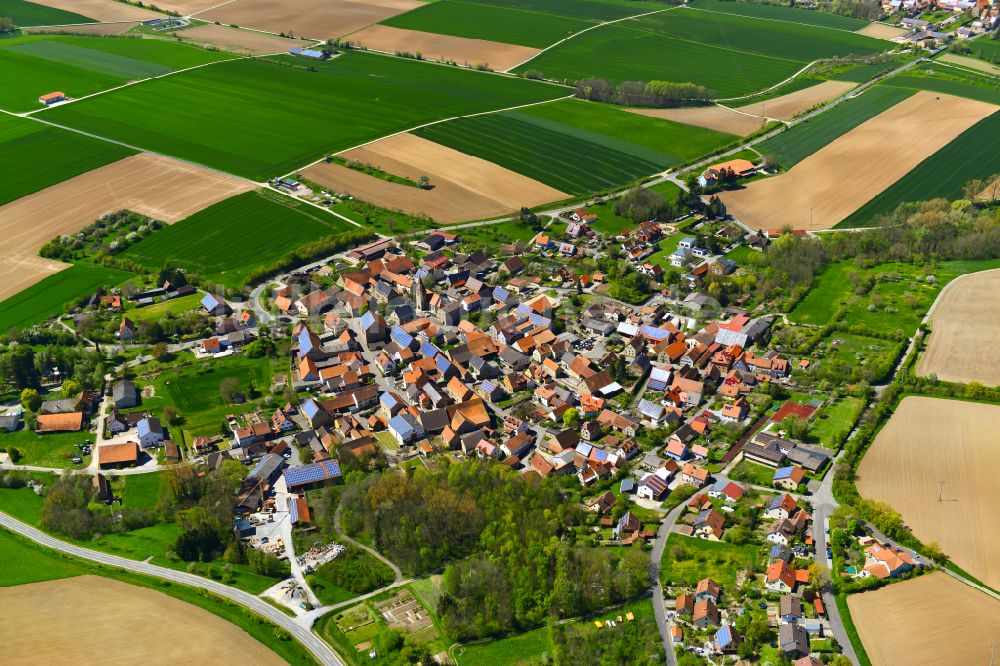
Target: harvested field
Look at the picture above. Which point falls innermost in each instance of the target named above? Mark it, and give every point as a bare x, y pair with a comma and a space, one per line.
882, 31
319, 19
465, 187
240, 41
971, 63
929, 441
719, 118
108, 605
826, 187
187, 7
964, 318
102, 10
88, 29
156, 186
933, 619
431, 46
788, 106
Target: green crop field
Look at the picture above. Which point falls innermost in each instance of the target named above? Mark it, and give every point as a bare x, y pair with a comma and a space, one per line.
780, 13
961, 84
975, 153
34, 156
48, 297
791, 147
598, 10
261, 118
34, 65
986, 49
226, 241
509, 25
25, 14
577, 147
733, 55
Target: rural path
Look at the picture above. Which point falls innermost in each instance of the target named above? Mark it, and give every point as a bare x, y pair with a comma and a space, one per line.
371, 551
317, 647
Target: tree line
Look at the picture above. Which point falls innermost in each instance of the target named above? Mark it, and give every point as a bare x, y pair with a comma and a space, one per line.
659, 94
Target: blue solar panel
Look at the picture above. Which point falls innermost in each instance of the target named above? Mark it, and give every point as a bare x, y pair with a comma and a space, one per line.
443, 364
367, 320
429, 350
524, 309
501, 294
539, 320
489, 386
402, 338
293, 510
657, 385
299, 476
655, 333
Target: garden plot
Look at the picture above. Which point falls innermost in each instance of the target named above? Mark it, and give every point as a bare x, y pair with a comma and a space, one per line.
317, 19
828, 186
935, 462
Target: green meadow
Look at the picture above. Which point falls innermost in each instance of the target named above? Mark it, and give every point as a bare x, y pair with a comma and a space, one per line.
34, 156
226, 241
25, 14
780, 13
263, 117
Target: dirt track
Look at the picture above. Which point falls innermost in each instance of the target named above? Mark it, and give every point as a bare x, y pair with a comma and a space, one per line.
829, 185
316, 19
927, 621
964, 327
155, 186
465, 187
713, 117
788, 106
94, 620
240, 41
882, 31
930, 440
499, 56
102, 10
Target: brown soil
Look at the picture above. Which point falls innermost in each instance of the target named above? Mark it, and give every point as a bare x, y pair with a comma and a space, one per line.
788, 106
187, 7
500, 57
94, 620
92, 29
826, 187
713, 117
929, 441
240, 41
102, 10
318, 19
159, 187
971, 63
465, 187
930, 620
963, 329
882, 31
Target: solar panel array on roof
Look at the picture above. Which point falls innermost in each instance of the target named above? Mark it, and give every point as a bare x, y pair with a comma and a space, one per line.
429, 350
293, 510
628, 329
401, 337
489, 386
260, 464
321, 471
367, 320
657, 385
539, 320
650, 409
388, 401
310, 408
655, 333
442, 363
500, 294
524, 309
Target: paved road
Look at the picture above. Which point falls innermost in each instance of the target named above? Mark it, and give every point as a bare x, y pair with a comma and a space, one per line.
659, 611
319, 649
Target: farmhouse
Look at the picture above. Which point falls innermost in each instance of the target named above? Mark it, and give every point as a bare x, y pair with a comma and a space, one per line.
117, 456
71, 422
737, 169
52, 98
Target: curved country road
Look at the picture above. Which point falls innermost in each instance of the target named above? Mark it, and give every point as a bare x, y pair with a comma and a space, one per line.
319, 649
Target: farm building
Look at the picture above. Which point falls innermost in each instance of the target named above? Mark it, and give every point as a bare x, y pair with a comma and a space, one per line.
312, 54
739, 168
71, 422
118, 455
312, 476
52, 98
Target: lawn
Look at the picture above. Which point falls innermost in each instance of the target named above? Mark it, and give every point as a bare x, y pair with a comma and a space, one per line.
835, 421
752, 473
525, 648
975, 153
139, 491
711, 559
225, 242
34, 156
831, 290
22, 503
53, 450
33, 65
780, 13
22, 562
733, 55
986, 49
48, 297
577, 147
846, 350
25, 14
495, 234
160, 310
510, 25
794, 145
290, 114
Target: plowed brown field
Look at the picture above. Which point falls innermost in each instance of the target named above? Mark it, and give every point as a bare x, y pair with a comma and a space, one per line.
242, 41
718, 118
317, 19
102, 10
90, 29
882, 31
829, 185
792, 104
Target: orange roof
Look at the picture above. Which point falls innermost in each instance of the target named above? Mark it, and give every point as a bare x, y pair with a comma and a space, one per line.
117, 453
60, 422
737, 166
52, 95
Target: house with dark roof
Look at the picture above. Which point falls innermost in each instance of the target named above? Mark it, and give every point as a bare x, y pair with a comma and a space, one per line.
124, 395
793, 641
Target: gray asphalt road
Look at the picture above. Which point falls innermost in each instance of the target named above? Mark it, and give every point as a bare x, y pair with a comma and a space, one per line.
319, 649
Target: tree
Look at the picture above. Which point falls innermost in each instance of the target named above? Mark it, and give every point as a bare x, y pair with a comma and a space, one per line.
571, 417
70, 388
31, 400
425, 183
14, 454
170, 415
161, 352
794, 426
229, 389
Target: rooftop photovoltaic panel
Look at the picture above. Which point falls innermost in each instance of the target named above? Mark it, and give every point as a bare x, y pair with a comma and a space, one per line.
300, 476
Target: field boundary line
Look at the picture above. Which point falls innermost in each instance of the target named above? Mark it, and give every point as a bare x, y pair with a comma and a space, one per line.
807, 25
208, 9
593, 27
775, 86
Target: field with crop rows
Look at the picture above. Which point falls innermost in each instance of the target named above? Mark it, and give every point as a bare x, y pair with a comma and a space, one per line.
48, 297
974, 154
576, 147
962, 84
791, 147
34, 65
226, 241
289, 114
34, 156
26, 14
780, 13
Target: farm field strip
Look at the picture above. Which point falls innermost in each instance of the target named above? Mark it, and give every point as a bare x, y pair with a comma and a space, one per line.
780, 12
970, 63
464, 187
828, 186
964, 318
933, 619
315, 19
355, 98
24, 14
935, 462
243, 41
719, 118
102, 10
788, 106
882, 31
47, 297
